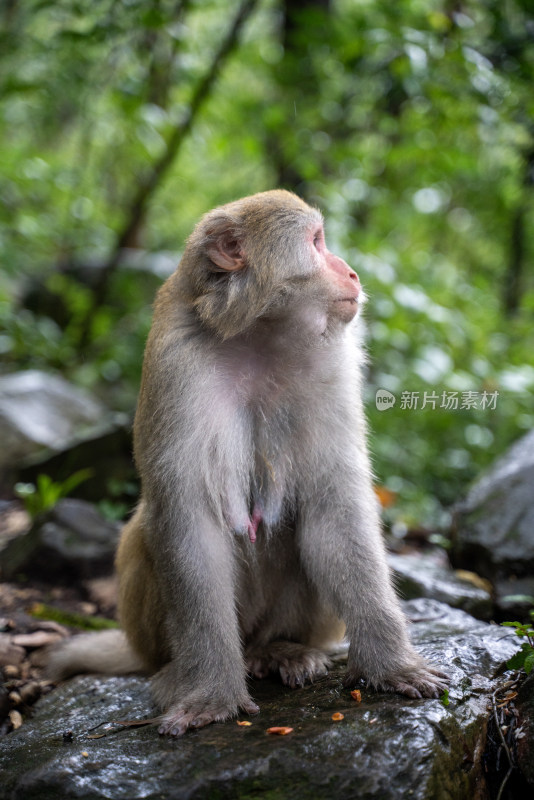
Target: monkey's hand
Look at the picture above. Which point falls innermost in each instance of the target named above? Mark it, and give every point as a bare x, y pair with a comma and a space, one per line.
193, 713
416, 681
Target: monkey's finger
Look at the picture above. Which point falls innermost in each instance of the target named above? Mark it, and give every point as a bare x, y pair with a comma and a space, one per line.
439, 674
172, 729
180, 722
408, 690
250, 707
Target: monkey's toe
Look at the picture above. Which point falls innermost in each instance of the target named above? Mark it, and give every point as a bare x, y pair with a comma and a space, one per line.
296, 663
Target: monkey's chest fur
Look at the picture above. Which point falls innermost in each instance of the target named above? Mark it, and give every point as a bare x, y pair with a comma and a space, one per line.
270, 427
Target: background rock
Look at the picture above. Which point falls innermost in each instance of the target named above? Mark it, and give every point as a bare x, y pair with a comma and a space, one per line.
71, 541
420, 575
40, 413
493, 526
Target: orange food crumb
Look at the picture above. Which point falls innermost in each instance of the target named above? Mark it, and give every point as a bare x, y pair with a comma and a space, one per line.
280, 731
356, 695
338, 716
244, 722
85, 754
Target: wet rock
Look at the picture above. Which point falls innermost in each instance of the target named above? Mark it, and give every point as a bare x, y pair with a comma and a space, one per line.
42, 413
525, 734
386, 747
514, 596
72, 541
422, 576
493, 526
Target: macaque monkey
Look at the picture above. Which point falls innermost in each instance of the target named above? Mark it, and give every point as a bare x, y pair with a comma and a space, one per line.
257, 541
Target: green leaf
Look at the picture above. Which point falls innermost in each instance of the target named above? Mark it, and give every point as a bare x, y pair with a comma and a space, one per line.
78, 477
529, 663
518, 660
24, 490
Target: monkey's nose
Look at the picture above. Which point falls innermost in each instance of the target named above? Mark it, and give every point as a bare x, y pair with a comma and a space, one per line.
354, 277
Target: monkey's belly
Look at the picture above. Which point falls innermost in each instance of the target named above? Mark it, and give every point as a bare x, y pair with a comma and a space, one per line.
275, 599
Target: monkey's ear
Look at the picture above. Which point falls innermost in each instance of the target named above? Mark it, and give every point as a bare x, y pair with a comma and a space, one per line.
226, 252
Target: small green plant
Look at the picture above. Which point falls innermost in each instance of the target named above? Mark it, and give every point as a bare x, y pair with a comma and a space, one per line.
113, 511
444, 699
70, 618
524, 658
44, 494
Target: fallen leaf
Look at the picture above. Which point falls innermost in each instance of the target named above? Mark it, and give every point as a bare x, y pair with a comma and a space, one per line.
50, 625
356, 695
507, 699
244, 723
338, 716
36, 639
16, 718
280, 731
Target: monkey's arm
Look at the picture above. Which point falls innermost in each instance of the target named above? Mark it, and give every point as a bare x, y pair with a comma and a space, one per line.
343, 553
178, 444
205, 679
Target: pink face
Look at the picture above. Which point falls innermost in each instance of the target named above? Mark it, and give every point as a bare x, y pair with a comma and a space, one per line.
342, 280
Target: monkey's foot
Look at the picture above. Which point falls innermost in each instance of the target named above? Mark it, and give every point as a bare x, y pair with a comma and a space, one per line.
296, 663
417, 682
185, 716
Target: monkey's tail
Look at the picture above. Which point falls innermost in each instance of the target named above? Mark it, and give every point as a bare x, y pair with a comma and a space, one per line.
106, 652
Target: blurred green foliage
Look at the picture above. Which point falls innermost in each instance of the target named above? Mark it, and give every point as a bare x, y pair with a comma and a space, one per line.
524, 659
410, 124
45, 493
70, 618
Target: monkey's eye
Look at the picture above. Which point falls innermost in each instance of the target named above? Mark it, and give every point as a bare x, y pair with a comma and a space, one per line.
317, 239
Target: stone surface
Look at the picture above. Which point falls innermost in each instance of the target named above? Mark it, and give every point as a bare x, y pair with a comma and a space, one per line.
421, 576
525, 741
42, 413
386, 747
73, 539
493, 526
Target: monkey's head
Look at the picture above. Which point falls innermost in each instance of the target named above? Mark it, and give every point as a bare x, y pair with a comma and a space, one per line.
265, 257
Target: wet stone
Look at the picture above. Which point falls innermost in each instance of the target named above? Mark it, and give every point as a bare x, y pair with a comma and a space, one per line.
385, 747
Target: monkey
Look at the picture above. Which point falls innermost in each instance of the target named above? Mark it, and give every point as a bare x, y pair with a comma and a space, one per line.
256, 545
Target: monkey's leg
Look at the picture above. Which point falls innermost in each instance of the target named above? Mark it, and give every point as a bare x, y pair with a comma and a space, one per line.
205, 680
295, 636
141, 610
344, 555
